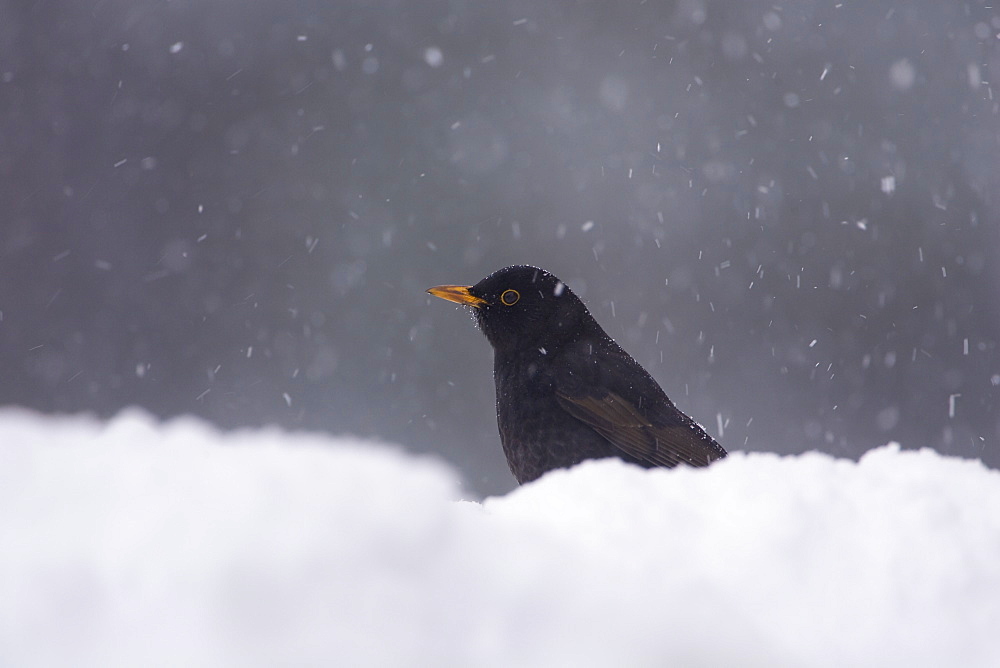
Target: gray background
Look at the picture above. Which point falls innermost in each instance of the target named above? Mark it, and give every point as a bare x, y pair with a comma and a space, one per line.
232, 209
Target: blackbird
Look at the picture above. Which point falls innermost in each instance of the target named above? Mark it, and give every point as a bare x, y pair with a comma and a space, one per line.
566, 391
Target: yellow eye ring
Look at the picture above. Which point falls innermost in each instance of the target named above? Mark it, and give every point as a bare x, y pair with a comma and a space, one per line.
510, 297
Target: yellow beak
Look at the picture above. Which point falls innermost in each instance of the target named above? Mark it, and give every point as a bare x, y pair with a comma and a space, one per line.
457, 293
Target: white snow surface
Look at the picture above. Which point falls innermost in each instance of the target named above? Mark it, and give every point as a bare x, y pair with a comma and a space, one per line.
137, 543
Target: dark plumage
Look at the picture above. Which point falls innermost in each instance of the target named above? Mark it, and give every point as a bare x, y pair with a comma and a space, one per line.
566, 391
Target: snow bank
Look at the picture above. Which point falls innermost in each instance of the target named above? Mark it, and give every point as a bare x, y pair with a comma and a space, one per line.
132, 543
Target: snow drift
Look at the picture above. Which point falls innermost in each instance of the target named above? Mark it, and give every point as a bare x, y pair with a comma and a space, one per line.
136, 543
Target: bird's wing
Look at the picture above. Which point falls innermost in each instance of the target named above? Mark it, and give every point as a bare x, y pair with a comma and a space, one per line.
653, 430
616, 419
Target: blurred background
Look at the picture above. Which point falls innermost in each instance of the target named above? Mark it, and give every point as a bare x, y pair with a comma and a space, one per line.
787, 213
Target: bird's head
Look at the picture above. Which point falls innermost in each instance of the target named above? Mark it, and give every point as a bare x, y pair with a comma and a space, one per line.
520, 307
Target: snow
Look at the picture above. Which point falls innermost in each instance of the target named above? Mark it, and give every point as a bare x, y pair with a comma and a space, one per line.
902, 74
433, 56
135, 543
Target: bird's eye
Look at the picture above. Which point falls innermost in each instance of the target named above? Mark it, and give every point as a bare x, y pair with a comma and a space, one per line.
510, 297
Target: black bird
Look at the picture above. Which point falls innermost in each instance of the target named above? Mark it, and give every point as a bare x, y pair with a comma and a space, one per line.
566, 391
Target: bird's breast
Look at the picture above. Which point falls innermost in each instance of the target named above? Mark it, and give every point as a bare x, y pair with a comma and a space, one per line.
536, 433
522, 377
